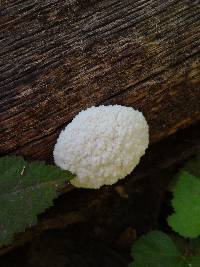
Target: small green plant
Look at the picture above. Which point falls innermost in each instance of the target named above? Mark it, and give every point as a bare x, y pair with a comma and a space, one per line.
186, 200
26, 189
186, 203
157, 249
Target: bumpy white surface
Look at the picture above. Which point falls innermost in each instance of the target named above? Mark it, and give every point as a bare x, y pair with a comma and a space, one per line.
102, 145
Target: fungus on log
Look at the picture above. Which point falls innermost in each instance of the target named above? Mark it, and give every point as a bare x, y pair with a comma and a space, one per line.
59, 57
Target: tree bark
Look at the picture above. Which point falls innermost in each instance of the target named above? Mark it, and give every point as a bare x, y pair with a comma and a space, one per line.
59, 57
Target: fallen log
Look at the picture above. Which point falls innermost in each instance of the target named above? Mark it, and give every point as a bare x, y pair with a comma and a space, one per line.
59, 57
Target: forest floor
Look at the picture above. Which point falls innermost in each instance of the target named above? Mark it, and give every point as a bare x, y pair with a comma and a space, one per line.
138, 206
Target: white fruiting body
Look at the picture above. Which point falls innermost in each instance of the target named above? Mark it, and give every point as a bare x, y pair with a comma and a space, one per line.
102, 145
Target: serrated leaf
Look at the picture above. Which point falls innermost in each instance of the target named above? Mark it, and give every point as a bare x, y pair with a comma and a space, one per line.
156, 249
192, 166
26, 189
186, 203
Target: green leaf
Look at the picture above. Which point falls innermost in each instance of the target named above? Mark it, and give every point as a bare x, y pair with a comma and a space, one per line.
26, 189
156, 249
192, 166
186, 203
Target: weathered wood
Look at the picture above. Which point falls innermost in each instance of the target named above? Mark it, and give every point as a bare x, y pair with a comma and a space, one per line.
58, 57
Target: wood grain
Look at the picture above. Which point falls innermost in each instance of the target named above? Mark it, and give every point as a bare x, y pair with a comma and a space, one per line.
59, 57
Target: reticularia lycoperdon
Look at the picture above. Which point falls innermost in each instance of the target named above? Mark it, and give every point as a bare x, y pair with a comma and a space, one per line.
102, 145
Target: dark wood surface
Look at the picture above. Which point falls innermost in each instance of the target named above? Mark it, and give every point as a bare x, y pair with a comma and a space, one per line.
59, 57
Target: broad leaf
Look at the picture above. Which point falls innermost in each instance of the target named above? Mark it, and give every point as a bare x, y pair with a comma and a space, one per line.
26, 189
156, 249
186, 203
192, 166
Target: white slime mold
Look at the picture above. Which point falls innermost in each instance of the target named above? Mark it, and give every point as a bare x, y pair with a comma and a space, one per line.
102, 145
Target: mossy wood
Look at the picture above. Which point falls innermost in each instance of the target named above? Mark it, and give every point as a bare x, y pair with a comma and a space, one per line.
59, 57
